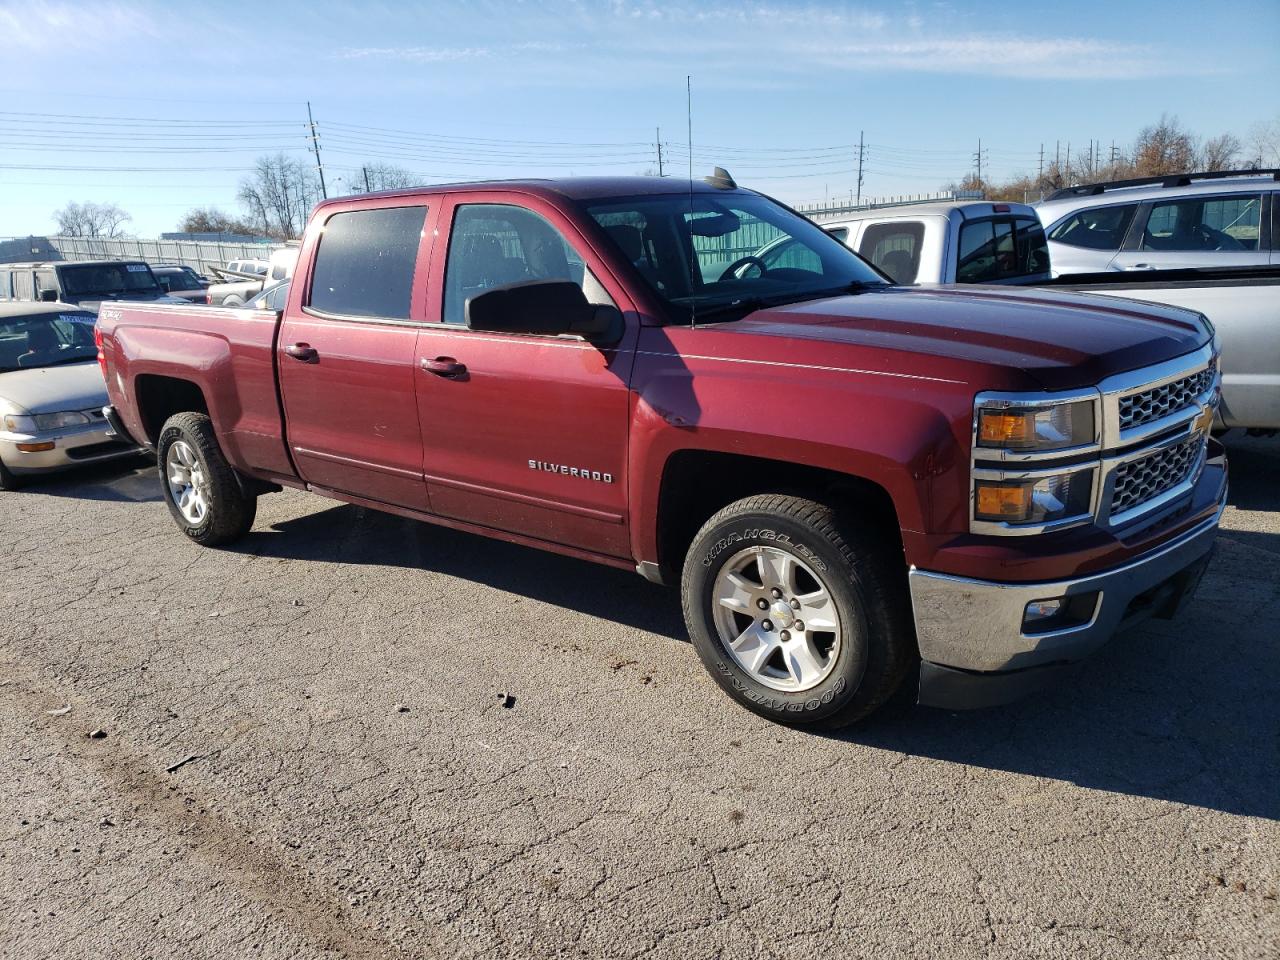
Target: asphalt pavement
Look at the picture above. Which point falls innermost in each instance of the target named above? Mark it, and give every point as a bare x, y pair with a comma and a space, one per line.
358, 736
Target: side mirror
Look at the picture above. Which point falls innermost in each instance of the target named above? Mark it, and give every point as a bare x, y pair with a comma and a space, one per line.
48, 296
547, 307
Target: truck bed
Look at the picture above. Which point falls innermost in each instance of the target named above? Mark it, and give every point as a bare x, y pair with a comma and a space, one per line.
229, 354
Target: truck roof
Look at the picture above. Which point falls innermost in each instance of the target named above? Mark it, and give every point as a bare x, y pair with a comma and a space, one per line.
34, 264
941, 208
574, 188
31, 308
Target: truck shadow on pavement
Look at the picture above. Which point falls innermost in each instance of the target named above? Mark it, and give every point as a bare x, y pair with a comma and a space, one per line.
350, 534
127, 480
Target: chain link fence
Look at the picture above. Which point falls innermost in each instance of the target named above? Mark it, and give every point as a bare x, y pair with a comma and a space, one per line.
202, 255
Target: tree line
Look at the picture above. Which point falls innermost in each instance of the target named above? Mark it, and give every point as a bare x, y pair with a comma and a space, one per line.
1160, 149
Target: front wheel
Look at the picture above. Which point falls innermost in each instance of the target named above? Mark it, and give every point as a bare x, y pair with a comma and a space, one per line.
200, 487
798, 613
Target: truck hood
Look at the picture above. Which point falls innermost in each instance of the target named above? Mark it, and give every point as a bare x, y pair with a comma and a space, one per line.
73, 386
1060, 340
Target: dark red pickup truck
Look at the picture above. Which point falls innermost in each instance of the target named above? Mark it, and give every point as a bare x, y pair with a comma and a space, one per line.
848, 479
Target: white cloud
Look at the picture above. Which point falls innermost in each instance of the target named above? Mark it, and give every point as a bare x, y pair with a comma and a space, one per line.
52, 26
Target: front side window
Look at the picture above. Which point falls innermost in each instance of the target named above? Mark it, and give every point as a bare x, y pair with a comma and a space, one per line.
46, 340
365, 261
492, 245
894, 248
1102, 228
1217, 223
712, 257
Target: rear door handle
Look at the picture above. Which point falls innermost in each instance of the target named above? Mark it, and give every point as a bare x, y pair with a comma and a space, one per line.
303, 351
446, 367
1140, 266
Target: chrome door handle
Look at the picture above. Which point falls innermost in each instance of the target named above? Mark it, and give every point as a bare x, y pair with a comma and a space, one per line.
303, 351
446, 367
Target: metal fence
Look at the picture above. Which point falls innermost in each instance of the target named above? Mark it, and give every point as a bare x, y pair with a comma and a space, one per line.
814, 210
200, 254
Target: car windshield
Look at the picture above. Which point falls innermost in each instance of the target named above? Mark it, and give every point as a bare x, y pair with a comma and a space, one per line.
108, 278
749, 252
46, 339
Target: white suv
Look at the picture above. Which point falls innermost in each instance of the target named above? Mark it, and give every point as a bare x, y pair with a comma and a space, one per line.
1184, 220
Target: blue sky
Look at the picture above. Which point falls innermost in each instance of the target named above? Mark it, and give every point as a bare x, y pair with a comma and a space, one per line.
160, 107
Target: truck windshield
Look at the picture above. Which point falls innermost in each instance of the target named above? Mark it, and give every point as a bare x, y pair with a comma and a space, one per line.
728, 253
108, 278
46, 339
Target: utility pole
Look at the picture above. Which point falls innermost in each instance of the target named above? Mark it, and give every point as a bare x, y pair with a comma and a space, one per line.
315, 145
1068, 163
367, 188
978, 159
861, 154
1040, 167
657, 134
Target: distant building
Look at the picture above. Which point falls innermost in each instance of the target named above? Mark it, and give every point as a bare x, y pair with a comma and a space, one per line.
24, 249
217, 237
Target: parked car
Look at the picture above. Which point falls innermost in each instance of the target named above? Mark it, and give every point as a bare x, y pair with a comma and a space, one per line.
1186, 220
845, 476
272, 298
51, 392
948, 242
237, 292
85, 283
181, 281
1243, 303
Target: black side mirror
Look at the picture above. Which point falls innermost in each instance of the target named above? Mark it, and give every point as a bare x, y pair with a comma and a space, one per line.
547, 307
48, 296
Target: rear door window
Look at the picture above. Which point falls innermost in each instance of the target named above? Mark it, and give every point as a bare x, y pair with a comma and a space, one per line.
1205, 223
23, 288
365, 262
1001, 249
1101, 228
894, 248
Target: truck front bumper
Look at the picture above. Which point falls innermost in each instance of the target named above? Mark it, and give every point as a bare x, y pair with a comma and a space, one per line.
981, 645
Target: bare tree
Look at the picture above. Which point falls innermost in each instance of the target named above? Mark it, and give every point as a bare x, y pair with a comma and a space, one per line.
213, 220
384, 176
1220, 153
1163, 147
91, 220
279, 195
1264, 143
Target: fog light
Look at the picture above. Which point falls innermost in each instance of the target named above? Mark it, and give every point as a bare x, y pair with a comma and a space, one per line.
1060, 613
1040, 609
35, 447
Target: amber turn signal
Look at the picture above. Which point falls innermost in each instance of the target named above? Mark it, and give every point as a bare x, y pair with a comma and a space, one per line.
999, 501
1000, 428
35, 447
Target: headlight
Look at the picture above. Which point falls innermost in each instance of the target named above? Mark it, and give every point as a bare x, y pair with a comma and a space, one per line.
1051, 426
44, 421
1041, 500
17, 423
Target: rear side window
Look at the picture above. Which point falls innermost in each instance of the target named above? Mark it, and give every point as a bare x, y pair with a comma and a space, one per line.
1001, 249
1214, 223
365, 261
1102, 228
23, 288
894, 248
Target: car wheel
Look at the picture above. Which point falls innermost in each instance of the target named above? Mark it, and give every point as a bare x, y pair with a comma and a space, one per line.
800, 614
8, 481
200, 487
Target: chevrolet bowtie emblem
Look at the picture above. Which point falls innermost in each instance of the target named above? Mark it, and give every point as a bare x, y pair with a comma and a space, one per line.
1204, 422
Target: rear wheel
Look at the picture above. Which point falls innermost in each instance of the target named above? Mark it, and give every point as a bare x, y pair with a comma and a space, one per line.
797, 612
200, 487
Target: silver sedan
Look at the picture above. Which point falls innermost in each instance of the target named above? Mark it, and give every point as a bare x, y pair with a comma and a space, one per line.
51, 392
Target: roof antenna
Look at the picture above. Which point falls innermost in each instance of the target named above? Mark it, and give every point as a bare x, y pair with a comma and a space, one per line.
693, 253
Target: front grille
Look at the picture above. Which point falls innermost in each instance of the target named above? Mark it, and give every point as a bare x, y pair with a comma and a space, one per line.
1141, 480
1150, 405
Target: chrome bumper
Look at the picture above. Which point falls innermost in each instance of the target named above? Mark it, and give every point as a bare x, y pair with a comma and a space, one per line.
977, 651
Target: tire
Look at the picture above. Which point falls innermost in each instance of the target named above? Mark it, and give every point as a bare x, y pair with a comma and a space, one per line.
188, 451
8, 480
811, 675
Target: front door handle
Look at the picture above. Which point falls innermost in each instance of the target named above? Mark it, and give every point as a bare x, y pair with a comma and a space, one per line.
303, 351
446, 367
1140, 266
